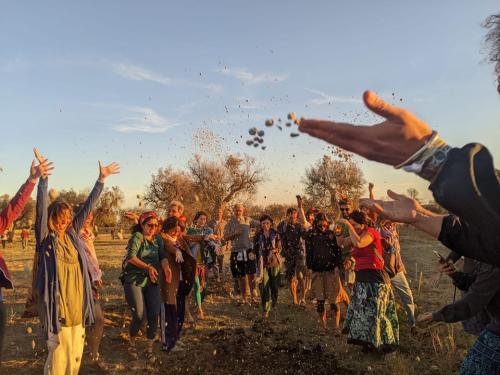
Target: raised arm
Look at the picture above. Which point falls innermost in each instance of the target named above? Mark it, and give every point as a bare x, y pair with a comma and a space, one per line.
42, 204
302, 214
17, 204
357, 240
91, 202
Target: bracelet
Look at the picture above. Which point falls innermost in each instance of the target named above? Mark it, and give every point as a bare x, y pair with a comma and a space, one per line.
427, 161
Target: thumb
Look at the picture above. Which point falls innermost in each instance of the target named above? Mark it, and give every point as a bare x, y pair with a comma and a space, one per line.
395, 196
380, 106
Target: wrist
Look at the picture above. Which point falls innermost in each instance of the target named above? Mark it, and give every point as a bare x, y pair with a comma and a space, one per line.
427, 161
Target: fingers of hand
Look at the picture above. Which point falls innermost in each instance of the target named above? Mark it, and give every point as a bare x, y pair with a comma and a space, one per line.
381, 107
395, 196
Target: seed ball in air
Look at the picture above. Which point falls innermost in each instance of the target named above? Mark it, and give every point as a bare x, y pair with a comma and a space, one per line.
293, 135
292, 116
255, 145
249, 142
260, 133
280, 128
263, 147
256, 139
252, 131
288, 124
269, 122
261, 140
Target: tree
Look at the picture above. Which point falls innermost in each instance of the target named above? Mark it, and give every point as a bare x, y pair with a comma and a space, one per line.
220, 183
330, 175
167, 185
108, 209
73, 198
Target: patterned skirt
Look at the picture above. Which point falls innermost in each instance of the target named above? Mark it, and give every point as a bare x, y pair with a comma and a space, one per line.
484, 356
371, 318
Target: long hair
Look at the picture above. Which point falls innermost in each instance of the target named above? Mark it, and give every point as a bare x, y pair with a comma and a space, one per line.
492, 40
56, 211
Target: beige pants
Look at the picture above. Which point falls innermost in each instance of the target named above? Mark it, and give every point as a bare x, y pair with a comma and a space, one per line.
65, 357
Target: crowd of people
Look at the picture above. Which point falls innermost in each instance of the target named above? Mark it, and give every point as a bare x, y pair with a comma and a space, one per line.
354, 260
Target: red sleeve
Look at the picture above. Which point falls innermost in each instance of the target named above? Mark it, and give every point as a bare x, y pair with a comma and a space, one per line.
16, 205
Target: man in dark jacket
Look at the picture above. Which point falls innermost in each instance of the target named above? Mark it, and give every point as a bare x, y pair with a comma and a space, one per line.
323, 257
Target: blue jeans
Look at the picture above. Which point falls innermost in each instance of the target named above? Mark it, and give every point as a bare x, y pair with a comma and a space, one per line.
144, 303
484, 356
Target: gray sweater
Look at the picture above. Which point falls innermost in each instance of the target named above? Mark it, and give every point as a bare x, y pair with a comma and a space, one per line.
484, 293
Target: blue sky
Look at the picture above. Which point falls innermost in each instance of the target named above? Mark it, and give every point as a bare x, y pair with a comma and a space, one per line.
141, 82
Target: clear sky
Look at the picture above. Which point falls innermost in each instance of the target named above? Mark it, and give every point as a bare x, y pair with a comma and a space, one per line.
141, 82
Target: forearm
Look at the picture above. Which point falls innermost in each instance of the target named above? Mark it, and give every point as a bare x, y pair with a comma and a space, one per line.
135, 261
353, 236
430, 224
41, 218
16, 205
88, 206
302, 217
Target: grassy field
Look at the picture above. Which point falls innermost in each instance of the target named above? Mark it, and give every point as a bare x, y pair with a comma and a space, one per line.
234, 339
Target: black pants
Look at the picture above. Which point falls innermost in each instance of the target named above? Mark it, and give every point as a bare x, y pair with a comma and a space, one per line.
172, 317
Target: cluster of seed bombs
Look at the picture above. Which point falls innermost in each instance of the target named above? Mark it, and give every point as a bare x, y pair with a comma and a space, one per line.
258, 135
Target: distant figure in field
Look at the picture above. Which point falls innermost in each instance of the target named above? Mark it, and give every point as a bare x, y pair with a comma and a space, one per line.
25, 236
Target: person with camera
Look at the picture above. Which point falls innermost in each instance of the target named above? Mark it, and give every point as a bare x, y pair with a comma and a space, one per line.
243, 259
478, 310
204, 252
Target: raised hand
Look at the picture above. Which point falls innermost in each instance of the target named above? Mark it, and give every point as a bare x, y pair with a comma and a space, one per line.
390, 142
401, 209
107, 170
38, 156
42, 170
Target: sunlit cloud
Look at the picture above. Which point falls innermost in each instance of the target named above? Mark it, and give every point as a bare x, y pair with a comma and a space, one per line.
245, 76
138, 73
331, 99
143, 120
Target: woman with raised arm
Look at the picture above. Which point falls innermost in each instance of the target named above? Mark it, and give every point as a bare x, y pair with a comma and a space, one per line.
63, 280
7, 217
371, 319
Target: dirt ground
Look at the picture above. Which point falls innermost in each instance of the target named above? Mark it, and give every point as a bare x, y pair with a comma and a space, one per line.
234, 339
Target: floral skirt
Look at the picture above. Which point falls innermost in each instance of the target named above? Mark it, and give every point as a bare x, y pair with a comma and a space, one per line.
484, 356
371, 318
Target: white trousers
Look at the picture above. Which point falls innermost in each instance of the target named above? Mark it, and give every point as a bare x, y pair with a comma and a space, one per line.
65, 357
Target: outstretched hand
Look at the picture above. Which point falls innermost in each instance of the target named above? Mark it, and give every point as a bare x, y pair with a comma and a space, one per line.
43, 169
401, 209
107, 170
390, 142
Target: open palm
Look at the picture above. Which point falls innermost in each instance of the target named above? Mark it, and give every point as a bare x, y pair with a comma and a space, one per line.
401, 209
390, 142
107, 170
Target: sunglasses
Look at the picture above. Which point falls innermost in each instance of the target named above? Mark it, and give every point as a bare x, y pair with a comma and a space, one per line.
152, 225
344, 209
